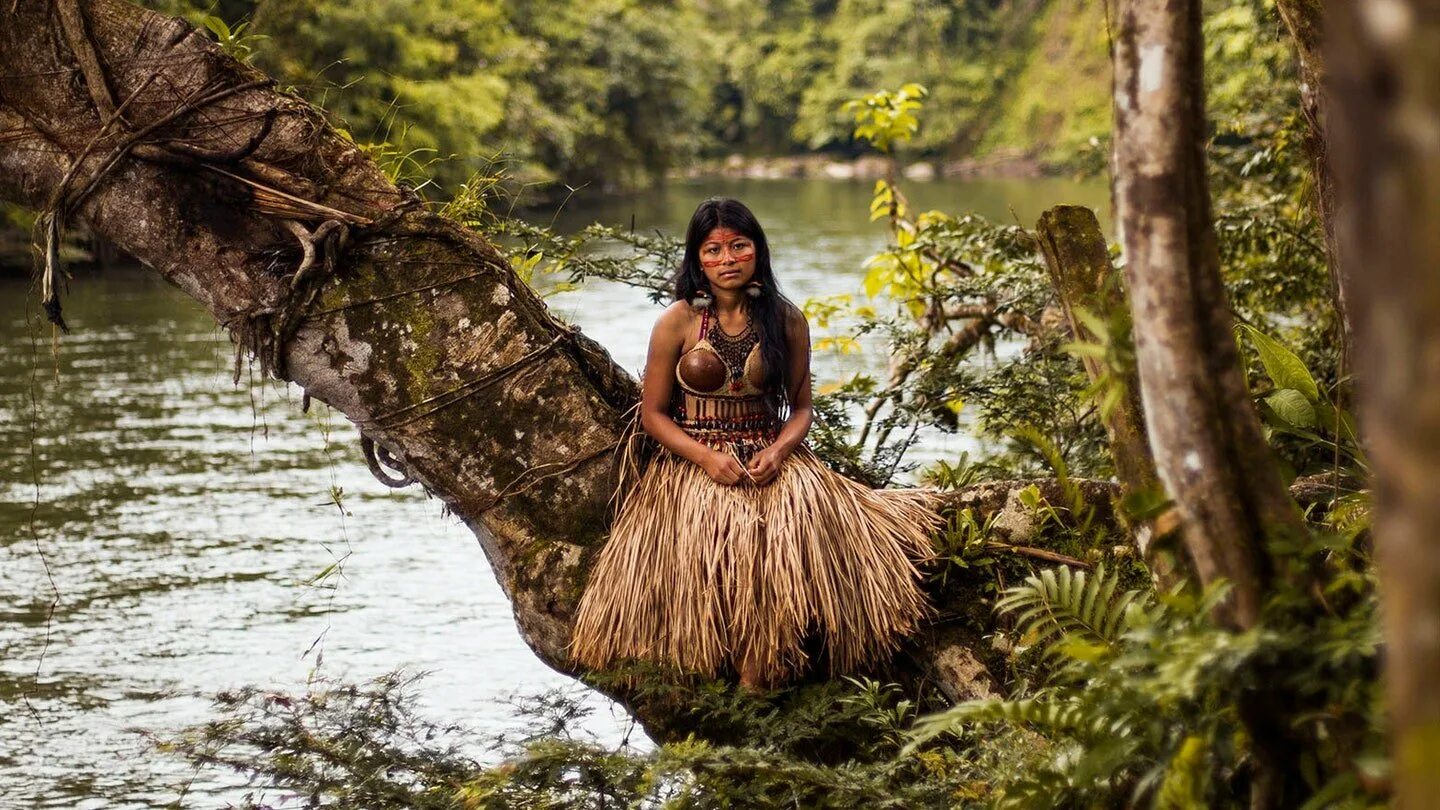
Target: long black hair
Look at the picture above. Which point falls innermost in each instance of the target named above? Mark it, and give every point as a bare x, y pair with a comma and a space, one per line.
769, 311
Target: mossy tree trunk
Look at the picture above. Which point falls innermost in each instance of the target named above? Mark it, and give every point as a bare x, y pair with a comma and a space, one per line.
1383, 88
1078, 261
1304, 20
413, 327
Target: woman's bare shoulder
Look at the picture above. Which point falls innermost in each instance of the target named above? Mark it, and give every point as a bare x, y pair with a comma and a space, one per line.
795, 322
675, 320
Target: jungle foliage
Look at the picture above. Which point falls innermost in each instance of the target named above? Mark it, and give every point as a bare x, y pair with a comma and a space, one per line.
616, 93
1116, 693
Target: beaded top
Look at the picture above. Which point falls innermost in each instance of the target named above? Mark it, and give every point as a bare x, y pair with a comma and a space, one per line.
722, 365
733, 349
720, 395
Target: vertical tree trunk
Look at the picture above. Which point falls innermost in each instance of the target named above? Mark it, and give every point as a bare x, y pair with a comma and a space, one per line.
1305, 22
1209, 450
1078, 261
1384, 90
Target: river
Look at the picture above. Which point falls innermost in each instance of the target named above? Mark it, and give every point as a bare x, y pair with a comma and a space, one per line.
160, 526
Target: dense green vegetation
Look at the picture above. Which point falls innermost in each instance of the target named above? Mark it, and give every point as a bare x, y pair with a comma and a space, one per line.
612, 95
615, 93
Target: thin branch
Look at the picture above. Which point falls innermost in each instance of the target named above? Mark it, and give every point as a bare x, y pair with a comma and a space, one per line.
1037, 553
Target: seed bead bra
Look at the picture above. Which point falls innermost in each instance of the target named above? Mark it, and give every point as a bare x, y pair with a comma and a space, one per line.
720, 379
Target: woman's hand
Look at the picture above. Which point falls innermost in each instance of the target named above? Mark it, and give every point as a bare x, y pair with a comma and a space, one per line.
723, 468
765, 465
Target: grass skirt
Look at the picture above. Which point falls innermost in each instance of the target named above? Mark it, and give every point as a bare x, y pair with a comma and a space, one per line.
700, 575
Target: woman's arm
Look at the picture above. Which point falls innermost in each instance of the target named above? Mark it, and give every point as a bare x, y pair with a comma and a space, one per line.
765, 465
666, 341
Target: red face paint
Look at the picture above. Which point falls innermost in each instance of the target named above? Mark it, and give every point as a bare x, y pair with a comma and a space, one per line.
723, 241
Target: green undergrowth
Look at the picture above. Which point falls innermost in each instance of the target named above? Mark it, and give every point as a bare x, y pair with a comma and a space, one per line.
339, 745
1118, 696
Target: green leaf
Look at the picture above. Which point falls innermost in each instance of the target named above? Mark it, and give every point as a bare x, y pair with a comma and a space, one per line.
217, 26
1292, 407
1031, 498
1082, 650
1080, 349
1338, 421
328, 570
1281, 364
1093, 322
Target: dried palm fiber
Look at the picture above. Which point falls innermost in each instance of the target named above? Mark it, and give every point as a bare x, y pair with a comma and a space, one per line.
698, 575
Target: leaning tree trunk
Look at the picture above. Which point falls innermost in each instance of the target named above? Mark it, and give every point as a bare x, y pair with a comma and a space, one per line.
1204, 432
415, 328
1384, 91
1078, 260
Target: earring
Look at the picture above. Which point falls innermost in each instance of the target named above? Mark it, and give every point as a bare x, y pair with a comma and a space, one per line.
701, 299
753, 289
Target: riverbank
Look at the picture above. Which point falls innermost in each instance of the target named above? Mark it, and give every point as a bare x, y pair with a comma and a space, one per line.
1001, 164
77, 250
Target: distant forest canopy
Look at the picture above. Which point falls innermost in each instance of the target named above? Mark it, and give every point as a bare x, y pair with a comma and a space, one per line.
615, 93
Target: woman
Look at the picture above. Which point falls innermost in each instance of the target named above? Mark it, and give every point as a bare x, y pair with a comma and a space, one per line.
736, 540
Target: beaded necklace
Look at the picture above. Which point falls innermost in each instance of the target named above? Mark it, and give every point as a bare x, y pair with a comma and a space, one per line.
733, 349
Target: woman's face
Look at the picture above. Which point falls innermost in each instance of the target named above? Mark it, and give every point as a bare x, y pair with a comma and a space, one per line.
727, 258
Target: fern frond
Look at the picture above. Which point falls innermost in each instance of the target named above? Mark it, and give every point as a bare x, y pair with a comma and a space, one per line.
1070, 606
1047, 715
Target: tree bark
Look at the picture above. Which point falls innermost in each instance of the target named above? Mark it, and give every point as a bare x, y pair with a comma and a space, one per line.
1078, 260
1383, 88
1079, 264
1208, 447
417, 331
1304, 21
1209, 450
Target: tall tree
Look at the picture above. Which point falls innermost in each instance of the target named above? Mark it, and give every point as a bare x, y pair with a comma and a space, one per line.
1383, 86
1209, 450
1304, 21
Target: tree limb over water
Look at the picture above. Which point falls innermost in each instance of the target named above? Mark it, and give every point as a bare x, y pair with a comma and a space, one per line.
413, 326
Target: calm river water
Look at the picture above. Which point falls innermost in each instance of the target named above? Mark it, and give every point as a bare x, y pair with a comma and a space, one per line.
173, 519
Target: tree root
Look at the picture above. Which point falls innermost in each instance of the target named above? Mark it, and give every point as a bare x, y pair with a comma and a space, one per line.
377, 458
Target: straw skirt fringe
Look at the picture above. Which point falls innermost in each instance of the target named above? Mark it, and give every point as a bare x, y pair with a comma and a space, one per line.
698, 575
